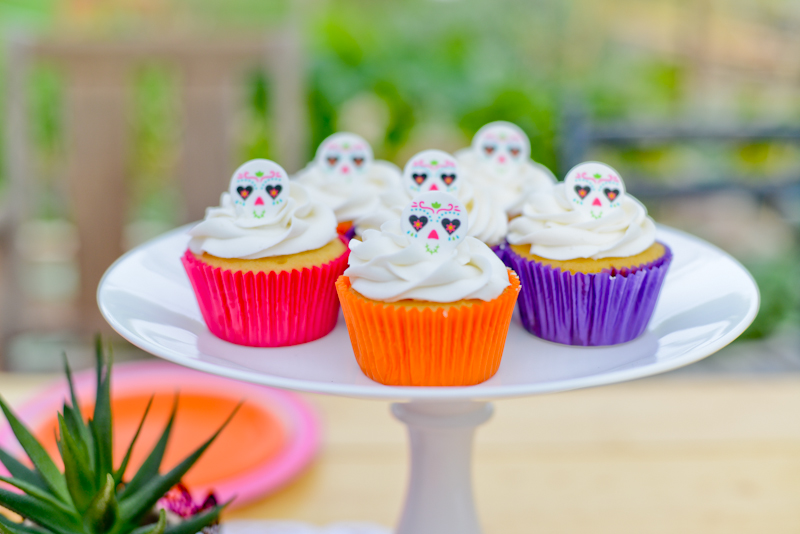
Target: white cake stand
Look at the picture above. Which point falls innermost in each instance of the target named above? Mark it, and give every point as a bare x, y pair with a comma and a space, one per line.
708, 300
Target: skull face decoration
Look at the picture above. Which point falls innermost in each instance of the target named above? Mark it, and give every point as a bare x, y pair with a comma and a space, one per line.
595, 188
436, 221
344, 156
502, 146
259, 187
431, 170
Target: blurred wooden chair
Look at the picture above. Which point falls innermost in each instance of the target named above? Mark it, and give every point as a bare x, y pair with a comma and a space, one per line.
97, 84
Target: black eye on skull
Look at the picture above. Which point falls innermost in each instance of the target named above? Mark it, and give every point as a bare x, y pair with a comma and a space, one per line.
582, 191
273, 190
244, 191
448, 178
489, 149
358, 160
515, 150
419, 177
332, 159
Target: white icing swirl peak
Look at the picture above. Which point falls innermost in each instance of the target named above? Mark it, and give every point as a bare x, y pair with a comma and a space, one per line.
263, 215
345, 177
588, 217
426, 256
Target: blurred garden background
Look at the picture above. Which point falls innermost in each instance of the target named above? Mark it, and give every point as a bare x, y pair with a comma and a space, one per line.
707, 91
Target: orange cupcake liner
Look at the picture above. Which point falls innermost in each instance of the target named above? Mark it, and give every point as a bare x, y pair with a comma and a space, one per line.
399, 345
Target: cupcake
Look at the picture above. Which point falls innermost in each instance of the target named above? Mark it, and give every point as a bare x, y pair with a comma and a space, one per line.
264, 263
424, 303
500, 159
345, 177
434, 170
590, 266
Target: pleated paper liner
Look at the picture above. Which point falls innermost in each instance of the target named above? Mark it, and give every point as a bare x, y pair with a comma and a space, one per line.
261, 309
402, 345
604, 308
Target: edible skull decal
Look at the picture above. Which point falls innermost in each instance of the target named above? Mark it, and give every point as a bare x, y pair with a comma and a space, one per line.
259, 187
344, 155
431, 170
595, 188
502, 146
436, 221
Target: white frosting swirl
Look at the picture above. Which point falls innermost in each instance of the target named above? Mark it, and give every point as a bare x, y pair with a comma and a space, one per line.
300, 225
354, 199
510, 190
386, 266
555, 230
487, 220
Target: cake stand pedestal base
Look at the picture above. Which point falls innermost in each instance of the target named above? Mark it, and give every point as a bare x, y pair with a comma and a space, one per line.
439, 498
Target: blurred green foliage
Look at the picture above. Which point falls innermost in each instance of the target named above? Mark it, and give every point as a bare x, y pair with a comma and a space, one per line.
460, 63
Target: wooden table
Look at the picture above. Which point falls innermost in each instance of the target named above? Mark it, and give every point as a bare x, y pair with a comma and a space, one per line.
690, 455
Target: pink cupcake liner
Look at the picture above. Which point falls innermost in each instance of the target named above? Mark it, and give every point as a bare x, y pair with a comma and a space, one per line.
267, 309
605, 308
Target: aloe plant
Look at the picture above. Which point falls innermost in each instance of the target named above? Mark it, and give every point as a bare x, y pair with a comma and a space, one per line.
90, 496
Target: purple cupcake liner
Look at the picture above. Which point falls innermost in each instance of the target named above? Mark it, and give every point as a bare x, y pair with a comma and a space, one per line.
605, 308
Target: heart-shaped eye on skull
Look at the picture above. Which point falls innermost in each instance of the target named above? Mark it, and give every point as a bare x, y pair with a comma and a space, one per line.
344, 156
595, 188
431, 170
435, 221
502, 146
418, 223
244, 192
259, 189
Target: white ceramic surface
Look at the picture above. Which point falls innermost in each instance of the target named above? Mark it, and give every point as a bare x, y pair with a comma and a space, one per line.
294, 527
708, 300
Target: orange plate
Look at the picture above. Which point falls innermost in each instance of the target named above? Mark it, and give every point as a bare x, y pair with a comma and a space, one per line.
270, 439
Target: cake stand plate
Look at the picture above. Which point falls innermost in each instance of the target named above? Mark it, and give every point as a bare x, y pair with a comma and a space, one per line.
707, 301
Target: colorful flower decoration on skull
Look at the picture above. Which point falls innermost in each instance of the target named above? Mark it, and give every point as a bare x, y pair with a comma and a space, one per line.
259, 187
436, 221
345, 156
431, 170
595, 188
502, 146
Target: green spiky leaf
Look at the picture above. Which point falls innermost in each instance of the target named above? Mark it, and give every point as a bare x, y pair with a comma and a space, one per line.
157, 527
77, 470
149, 468
45, 514
41, 461
197, 523
101, 425
37, 493
77, 415
140, 502
22, 472
126, 459
103, 512
8, 526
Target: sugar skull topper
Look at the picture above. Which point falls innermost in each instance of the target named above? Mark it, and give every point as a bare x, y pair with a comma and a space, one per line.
345, 156
259, 187
502, 146
595, 188
436, 221
431, 170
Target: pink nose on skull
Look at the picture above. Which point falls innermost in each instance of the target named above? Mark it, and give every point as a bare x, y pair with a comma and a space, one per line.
433, 188
259, 201
433, 235
345, 169
501, 159
596, 202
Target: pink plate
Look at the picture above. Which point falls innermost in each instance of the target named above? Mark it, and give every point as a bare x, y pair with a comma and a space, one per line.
270, 440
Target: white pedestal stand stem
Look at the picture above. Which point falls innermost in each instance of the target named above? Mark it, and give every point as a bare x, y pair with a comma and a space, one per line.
439, 498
